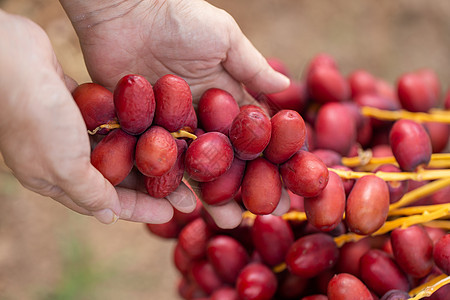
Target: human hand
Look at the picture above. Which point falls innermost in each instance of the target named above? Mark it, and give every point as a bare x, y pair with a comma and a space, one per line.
191, 39
44, 141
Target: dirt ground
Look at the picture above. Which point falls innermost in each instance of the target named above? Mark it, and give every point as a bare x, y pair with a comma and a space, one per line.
48, 252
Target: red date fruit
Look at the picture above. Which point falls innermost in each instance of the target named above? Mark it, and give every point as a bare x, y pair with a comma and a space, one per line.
376, 101
364, 133
396, 188
173, 102
335, 128
272, 236
441, 196
413, 250
217, 110
168, 230
135, 103
387, 91
381, 274
288, 136
189, 289
224, 293
328, 157
256, 282
181, 260
418, 91
348, 183
250, 132
310, 141
441, 253
315, 297
294, 98
227, 256
291, 286
278, 65
325, 211
382, 150
114, 156
224, 188
447, 100
321, 60
312, 254
349, 256
367, 205
209, 156
362, 82
410, 144
304, 174
162, 186
435, 233
96, 104
194, 237
191, 122
156, 152
326, 84
439, 135
205, 276
261, 186
347, 287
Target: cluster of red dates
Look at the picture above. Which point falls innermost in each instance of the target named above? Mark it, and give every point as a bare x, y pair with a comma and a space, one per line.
258, 154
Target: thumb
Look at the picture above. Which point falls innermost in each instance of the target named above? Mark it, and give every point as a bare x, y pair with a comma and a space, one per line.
92, 192
247, 65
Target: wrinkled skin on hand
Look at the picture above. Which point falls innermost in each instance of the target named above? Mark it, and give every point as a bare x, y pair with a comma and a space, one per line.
43, 138
191, 39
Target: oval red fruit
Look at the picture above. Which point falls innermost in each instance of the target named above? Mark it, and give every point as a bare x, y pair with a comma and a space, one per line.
410, 144
209, 156
135, 103
173, 102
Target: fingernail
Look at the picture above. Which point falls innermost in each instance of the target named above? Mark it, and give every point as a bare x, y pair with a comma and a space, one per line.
182, 199
106, 216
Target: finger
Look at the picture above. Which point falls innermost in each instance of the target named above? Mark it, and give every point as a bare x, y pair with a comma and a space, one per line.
71, 84
90, 190
67, 202
284, 204
183, 199
135, 180
226, 82
226, 216
140, 207
247, 65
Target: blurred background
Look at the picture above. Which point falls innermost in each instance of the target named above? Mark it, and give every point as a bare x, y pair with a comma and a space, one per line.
48, 252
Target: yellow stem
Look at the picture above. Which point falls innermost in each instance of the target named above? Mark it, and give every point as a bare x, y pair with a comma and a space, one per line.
443, 224
430, 287
404, 114
420, 192
420, 175
437, 111
112, 125
413, 210
412, 220
279, 268
388, 226
347, 237
248, 215
294, 216
183, 134
438, 160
